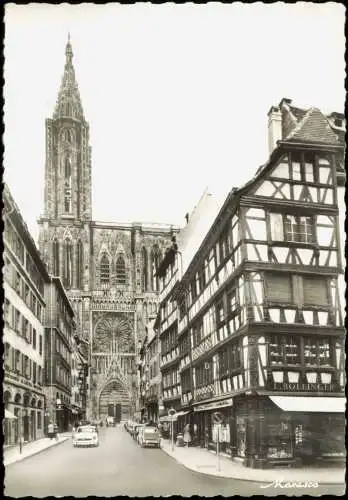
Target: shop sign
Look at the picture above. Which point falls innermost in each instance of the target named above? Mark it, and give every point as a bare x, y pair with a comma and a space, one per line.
293, 386
215, 405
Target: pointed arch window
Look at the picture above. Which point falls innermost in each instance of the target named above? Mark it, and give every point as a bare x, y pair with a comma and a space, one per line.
67, 263
55, 255
68, 109
67, 184
120, 271
144, 269
79, 264
68, 135
104, 269
155, 260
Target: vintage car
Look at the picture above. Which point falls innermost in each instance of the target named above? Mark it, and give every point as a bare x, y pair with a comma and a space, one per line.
149, 436
136, 430
85, 435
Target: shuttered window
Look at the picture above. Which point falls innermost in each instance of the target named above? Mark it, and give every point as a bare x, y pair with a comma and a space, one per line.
315, 291
279, 288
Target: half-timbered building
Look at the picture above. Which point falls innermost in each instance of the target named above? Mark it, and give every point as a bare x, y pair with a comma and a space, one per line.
175, 352
259, 331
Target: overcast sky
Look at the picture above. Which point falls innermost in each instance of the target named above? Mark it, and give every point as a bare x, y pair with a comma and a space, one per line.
176, 95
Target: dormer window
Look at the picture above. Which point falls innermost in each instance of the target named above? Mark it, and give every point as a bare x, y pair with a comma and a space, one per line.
338, 122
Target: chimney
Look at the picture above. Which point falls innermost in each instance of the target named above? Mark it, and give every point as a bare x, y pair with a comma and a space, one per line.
274, 127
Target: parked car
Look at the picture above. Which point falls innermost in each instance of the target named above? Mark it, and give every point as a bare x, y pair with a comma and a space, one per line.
131, 428
110, 421
85, 435
149, 436
136, 431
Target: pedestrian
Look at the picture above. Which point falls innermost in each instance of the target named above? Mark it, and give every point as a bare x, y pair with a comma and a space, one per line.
50, 430
187, 434
55, 427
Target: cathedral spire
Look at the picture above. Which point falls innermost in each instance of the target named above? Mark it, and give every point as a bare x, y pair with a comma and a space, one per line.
69, 101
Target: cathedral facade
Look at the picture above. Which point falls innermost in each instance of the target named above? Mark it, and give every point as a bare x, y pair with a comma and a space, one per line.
108, 269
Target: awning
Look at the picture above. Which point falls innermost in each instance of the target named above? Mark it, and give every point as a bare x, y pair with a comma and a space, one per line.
215, 405
310, 403
8, 414
181, 413
168, 418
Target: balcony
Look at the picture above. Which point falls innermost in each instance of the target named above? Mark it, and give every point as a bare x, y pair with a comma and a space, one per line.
170, 356
205, 392
172, 393
204, 346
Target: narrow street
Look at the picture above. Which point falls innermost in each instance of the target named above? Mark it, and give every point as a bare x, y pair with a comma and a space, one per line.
120, 467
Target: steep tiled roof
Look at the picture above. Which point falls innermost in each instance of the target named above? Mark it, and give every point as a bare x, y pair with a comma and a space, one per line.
297, 112
313, 127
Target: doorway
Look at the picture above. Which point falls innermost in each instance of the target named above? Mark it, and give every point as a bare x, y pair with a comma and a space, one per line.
118, 412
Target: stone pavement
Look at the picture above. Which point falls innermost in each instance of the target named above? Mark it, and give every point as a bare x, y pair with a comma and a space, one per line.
205, 462
12, 454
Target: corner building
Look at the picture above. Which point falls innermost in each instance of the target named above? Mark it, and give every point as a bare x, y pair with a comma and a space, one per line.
259, 319
106, 268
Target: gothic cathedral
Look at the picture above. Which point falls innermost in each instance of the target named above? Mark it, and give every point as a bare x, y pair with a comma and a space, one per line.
108, 269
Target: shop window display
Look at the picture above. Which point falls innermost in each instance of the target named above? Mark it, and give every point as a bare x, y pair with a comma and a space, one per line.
241, 436
329, 433
279, 439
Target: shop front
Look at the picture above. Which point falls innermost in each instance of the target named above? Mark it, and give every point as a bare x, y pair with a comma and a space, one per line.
288, 430
23, 416
208, 432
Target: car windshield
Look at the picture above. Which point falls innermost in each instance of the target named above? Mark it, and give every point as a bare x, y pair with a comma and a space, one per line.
86, 429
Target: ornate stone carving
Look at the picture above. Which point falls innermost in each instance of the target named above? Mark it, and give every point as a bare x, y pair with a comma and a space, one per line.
114, 331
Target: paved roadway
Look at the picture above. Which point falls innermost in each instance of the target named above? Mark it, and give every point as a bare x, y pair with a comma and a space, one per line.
120, 467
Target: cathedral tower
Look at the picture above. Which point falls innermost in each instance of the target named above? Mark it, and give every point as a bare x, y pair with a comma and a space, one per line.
67, 204
107, 268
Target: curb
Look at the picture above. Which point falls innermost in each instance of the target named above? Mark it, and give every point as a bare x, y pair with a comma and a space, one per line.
265, 481
21, 458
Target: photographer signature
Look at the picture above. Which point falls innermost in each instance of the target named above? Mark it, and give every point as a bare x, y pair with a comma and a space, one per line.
280, 483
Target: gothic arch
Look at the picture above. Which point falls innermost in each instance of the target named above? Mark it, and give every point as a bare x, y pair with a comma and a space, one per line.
121, 269
125, 395
67, 135
67, 263
55, 257
79, 264
155, 260
104, 269
144, 264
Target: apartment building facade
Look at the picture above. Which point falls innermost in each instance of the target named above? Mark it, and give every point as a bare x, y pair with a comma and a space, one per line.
259, 324
25, 276
60, 330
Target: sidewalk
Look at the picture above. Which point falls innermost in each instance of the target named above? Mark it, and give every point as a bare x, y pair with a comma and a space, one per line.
205, 462
12, 455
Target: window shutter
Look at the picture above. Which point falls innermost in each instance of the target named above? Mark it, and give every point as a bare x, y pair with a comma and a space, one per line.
277, 231
315, 291
279, 288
